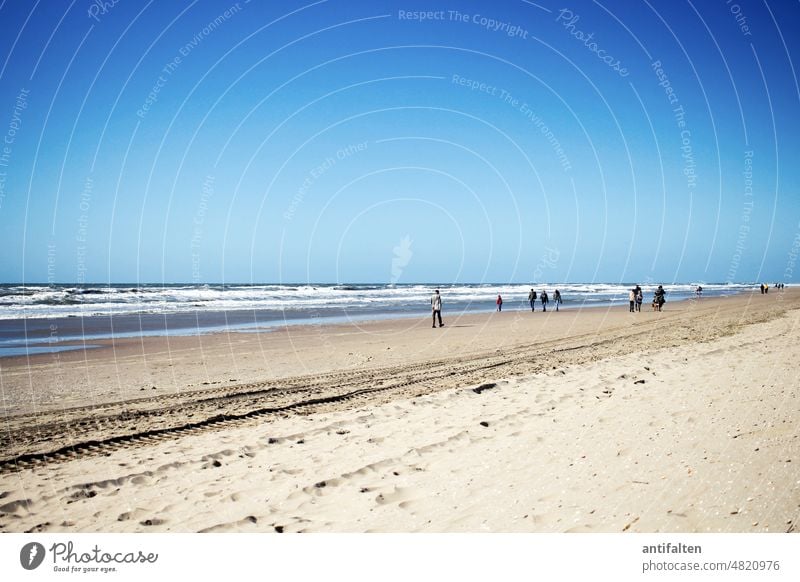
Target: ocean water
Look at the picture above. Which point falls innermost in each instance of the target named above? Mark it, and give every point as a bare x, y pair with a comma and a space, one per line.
17, 302
41, 316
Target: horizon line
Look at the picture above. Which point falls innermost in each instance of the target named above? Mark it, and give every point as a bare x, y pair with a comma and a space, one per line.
380, 283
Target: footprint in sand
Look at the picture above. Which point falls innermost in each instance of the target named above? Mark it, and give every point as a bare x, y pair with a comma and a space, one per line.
399, 495
244, 524
169, 467
137, 513
320, 487
141, 480
82, 493
17, 507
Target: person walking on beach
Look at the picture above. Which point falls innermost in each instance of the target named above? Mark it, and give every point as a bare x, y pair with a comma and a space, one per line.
658, 298
698, 291
436, 308
532, 299
545, 299
557, 298
499, 303
762, 288
631, 300
639, 299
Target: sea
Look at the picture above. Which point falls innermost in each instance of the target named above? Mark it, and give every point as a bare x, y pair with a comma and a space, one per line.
50, 318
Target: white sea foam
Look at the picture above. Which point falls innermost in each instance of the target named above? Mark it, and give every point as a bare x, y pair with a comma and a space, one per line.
18, 302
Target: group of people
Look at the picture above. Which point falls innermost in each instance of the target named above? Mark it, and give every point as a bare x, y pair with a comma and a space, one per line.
636, 297
765, 287
436, 303
544, 298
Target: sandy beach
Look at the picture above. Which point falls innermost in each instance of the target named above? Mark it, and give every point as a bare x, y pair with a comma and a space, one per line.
593, 420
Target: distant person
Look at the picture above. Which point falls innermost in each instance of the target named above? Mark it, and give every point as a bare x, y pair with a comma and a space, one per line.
632, 300
766, 289
499, 302
436, 308
639, 299
698, 291
557, 298
659, 298
762, 288
532, 299
545, 299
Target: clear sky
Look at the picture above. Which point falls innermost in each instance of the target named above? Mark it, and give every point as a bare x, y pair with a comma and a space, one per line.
362, 141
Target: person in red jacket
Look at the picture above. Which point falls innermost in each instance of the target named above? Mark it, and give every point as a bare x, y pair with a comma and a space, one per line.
499, 303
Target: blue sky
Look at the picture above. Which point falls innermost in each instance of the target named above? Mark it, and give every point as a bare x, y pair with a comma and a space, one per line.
304, 141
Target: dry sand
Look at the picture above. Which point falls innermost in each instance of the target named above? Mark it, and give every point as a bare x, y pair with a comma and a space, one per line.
592, 420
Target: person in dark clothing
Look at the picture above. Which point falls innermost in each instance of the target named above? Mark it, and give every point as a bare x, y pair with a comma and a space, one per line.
532, 299
545, 299
762, 288
658, 298
436, 308
557, 298
499, 303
